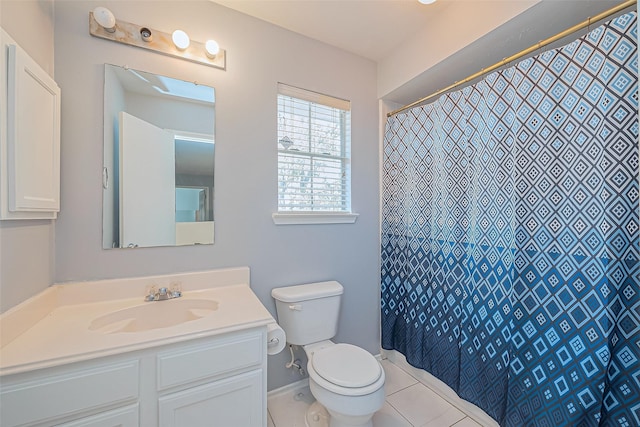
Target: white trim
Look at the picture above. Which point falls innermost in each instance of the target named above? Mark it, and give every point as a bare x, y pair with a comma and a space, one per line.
315, 97
295, 218
288, 388
207, 138
440, 389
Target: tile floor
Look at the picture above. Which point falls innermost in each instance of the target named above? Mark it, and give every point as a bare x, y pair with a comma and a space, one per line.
408, 404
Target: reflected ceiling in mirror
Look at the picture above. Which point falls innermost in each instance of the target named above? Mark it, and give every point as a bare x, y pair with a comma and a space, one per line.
159, 155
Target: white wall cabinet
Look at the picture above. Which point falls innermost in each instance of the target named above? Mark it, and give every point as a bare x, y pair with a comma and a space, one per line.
218, 380
29, 137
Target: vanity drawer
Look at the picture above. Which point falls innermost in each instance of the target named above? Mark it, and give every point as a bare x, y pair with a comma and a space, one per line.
121, 417
68, 392
209, 359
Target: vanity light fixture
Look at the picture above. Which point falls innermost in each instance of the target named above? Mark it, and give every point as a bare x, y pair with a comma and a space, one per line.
146, 34
105, 19
427, 1
212, 48
180, 39
103, 24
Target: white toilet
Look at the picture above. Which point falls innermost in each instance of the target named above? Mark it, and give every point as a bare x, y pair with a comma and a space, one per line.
345, 379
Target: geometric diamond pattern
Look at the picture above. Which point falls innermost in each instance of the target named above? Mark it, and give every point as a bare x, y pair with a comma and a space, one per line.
511, 238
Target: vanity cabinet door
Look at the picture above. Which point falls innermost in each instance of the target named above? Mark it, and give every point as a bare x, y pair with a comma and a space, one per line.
234, 401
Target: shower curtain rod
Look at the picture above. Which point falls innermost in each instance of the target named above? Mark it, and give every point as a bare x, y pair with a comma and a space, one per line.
584, 24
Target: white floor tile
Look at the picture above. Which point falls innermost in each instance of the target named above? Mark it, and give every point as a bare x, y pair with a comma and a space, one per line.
288, 410
421, 406
408, 403
449, 418
466, 422
389, 417
395, 378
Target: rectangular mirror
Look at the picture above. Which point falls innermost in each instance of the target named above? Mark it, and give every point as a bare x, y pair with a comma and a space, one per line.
158, 176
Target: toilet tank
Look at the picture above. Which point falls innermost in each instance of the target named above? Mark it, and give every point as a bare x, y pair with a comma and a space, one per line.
308, 313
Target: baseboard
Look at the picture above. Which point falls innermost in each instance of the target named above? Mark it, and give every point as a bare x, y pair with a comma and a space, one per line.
440, 388
289, 388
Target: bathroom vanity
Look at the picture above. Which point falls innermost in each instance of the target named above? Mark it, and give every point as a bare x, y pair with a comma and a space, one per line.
73, 357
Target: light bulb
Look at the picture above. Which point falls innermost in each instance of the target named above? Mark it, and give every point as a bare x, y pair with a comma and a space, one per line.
105, 18
180, 39
212, 48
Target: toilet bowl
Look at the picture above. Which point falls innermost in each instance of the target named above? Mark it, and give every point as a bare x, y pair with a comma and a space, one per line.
346, 380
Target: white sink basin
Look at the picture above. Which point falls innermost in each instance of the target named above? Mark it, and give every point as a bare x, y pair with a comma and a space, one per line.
153, 315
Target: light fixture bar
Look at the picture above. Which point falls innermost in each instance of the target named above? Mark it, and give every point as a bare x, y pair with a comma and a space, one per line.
130, 34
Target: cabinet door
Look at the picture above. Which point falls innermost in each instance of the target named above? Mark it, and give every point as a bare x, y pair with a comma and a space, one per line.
31, 145
122, 417
235, 401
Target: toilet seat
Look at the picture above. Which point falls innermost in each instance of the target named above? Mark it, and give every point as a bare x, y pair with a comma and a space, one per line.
346, 369
346, 365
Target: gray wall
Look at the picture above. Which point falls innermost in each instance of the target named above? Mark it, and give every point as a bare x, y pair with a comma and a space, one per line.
259, 55
26, 247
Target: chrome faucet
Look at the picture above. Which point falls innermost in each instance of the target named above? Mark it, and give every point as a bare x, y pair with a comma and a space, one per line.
163, 293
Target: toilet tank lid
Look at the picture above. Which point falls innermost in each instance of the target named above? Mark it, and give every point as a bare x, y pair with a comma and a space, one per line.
307, 292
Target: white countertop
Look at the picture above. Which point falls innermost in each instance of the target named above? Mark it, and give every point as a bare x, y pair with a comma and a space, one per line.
55, 324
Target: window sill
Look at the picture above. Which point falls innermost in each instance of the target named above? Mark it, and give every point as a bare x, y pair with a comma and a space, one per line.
314, 218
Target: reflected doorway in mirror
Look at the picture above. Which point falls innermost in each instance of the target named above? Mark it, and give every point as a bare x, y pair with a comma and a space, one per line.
184, 110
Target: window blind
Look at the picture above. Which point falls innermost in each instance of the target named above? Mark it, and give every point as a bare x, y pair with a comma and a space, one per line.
313, 152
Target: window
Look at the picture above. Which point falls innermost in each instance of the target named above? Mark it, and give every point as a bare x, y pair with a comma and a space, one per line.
314, 164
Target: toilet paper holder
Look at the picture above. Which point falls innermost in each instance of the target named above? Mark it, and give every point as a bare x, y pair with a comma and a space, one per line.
276, 339
273, 342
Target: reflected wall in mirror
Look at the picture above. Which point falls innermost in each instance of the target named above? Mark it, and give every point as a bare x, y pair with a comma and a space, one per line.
158, 176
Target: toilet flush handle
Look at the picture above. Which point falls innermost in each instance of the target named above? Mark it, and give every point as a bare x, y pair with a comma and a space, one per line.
295, 307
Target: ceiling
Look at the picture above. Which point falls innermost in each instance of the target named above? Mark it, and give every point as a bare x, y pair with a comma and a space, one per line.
369, 28
374, 28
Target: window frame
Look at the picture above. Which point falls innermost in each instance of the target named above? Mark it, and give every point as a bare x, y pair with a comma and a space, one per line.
345, 215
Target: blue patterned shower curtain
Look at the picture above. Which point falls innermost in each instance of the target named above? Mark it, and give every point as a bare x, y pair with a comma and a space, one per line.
510, 241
